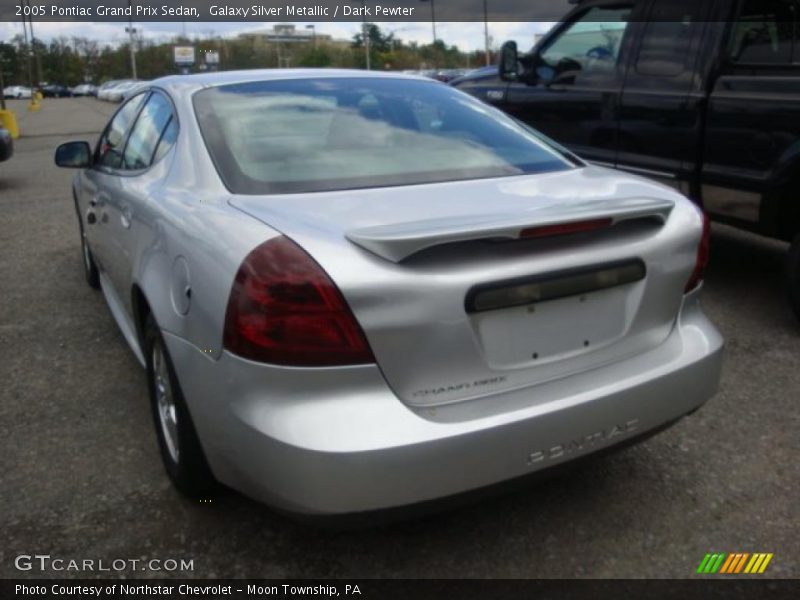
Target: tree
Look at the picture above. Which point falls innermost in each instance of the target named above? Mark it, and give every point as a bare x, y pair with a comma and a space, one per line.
72, 61
378, 41
10, 63
315, 57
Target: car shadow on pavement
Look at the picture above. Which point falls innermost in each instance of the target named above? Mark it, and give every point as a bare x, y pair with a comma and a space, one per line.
10, 183
746, 275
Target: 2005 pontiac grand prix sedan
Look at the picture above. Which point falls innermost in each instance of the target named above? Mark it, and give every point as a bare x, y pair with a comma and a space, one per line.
357, 291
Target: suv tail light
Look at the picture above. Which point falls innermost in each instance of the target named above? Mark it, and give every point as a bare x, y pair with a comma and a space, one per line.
703, 253
284, 309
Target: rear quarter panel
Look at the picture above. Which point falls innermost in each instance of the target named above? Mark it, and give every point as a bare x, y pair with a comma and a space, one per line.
190, 238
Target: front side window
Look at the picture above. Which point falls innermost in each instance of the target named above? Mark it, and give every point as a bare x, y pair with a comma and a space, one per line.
590, 44
308, 135
112, 142
667, 38
765, 32
147, 132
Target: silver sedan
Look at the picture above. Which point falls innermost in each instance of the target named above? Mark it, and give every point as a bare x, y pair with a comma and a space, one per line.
355, 291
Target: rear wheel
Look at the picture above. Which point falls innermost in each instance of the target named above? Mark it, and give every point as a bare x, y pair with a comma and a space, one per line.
793, 275
181, 452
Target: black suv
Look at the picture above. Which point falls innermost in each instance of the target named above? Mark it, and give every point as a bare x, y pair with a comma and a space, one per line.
703, 95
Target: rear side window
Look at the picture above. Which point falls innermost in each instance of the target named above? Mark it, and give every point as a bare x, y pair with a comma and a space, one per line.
147, 132
765, 32
168, 138
112, 142
667, 38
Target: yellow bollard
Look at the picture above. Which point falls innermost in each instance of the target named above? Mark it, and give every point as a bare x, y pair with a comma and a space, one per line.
34, 105
9, 120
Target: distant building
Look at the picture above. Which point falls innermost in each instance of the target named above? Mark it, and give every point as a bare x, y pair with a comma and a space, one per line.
287, 33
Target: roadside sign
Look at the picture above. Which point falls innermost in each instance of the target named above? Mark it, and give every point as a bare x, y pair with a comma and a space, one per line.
184, 55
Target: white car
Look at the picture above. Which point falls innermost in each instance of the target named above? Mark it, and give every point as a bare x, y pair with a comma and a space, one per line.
84, 89
17, 91
105, 89
119, 92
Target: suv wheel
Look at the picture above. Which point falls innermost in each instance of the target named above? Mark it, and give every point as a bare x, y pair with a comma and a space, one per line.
181, 452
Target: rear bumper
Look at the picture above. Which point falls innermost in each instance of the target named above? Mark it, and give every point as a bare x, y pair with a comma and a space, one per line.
337, 441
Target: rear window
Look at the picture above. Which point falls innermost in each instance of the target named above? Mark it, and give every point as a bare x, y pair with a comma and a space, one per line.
765, 32
310, 135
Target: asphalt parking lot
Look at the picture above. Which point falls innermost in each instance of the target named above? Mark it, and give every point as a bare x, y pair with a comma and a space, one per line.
81, 475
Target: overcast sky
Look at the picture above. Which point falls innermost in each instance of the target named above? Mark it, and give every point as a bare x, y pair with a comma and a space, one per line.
467, 36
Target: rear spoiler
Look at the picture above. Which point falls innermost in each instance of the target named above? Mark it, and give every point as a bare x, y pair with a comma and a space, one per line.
398, 241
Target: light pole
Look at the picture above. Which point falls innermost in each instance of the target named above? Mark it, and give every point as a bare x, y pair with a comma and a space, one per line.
365, 33
27, 54
313, 29
36, 57
29, 48
130, 30
2, 84
433, 17
486, 31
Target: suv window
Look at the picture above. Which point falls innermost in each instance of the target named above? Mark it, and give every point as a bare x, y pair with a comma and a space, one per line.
765, 32
109, 149
590, 44
667, 38
147, 132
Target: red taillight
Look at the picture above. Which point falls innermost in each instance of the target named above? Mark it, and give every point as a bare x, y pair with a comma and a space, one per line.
284, 309
565, 228
703, 253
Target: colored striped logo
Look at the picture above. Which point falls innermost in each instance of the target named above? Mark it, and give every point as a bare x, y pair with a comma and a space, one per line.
731, 564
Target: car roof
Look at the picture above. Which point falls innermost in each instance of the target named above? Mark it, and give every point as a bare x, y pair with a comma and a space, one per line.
184, 83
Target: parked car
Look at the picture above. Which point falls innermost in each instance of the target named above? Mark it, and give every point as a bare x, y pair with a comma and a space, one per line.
354, 291
104, 89
118, 92
6, 144
701, 95
131, 90
482, 74
56, 91
446, 75
84, 89
17, 91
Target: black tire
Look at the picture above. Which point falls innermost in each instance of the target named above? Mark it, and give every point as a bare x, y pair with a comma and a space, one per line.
793, 275
181, 452
89, 266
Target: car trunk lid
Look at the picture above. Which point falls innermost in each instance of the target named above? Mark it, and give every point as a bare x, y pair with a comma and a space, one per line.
467, 289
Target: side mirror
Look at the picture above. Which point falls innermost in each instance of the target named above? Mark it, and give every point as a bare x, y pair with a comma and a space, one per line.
74, 155
509, 62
